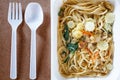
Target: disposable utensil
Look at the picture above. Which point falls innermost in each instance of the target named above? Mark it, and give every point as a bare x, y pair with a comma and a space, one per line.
33, 18
14, 19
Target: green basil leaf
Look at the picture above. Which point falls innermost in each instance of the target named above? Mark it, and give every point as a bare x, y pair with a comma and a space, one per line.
72, 47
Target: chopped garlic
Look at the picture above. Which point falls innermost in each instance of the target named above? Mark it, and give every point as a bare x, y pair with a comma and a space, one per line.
109, 18
89, 25
76, 34
102, 45
71, 24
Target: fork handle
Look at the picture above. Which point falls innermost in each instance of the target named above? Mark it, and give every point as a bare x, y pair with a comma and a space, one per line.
13, 65
33, 55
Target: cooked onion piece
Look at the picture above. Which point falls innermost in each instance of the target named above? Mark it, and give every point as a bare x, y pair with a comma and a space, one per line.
89, 25
108, 27
71, 24
76, 34
80, 26
109, 66
102, 45
109, 18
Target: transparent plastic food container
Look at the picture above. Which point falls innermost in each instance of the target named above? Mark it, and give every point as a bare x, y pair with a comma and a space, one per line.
115, 72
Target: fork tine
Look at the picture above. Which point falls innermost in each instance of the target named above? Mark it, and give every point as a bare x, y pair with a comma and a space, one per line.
13, 11
9, 11
16, 11
20, 11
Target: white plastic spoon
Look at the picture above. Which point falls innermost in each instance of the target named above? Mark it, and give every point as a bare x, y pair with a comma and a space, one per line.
33, 18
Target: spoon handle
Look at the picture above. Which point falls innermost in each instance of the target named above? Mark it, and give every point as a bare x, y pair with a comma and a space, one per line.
33, 55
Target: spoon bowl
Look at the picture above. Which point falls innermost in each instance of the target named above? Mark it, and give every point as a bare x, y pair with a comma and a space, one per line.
34, 15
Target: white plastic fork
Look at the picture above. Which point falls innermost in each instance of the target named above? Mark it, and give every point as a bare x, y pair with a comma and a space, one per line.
14, 19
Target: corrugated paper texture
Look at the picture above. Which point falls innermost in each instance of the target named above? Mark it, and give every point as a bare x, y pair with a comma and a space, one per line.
23, 43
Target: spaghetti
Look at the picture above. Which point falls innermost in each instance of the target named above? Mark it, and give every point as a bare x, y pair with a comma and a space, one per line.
85, 38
